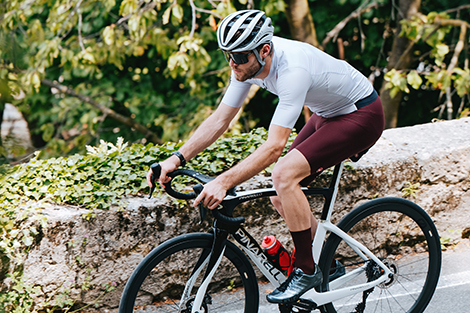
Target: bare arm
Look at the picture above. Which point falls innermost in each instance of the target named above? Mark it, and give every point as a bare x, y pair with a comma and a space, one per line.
266, 154
208, 132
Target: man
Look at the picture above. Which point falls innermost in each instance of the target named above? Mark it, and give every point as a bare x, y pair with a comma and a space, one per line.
347, 119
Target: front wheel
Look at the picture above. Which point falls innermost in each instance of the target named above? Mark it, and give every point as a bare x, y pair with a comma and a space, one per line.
405, 239
159, 280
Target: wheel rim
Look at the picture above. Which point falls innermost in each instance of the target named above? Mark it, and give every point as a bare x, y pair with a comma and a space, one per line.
167, 272
407, 247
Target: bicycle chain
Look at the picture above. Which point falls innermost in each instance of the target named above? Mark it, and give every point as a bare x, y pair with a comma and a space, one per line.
373, 271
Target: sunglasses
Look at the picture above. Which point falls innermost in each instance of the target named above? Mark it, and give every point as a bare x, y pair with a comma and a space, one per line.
237, 57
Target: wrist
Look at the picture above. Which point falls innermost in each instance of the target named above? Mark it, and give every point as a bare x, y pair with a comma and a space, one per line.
180, 156
224, 181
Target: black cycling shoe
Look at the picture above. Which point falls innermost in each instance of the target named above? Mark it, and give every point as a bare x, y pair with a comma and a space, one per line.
295, 286
339, 271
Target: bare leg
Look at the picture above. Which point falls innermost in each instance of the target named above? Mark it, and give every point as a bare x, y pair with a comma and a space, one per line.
294, 207
278, 205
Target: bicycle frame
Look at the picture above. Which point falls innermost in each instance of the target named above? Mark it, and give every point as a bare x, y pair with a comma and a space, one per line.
253, 250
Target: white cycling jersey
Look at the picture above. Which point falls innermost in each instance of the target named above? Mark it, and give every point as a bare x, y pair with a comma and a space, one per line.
301, 74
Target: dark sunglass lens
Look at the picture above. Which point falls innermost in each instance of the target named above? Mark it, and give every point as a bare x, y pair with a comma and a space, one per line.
237, 57
226, 55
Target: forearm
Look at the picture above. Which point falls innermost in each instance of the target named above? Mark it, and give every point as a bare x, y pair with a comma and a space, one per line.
260, 159
215, 191
209, 131
202, 138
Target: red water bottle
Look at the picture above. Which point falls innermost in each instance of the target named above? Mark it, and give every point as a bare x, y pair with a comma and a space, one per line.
277, 253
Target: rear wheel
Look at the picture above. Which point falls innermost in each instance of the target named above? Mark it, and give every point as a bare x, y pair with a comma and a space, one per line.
404, 238
157, 284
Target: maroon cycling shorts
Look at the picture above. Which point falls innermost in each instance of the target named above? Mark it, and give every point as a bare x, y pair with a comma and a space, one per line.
326, 142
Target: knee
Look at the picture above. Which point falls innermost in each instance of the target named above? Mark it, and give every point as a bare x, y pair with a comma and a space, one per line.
277, 205
281, 177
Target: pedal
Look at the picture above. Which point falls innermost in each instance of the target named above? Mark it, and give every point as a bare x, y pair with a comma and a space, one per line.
301, 306
305, 306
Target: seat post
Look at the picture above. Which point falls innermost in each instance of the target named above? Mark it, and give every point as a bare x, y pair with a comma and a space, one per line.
330, 198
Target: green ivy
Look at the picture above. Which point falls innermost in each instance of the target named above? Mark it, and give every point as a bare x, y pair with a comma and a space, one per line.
99, 180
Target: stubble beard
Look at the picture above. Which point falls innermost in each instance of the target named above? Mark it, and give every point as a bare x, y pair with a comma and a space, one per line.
248, 73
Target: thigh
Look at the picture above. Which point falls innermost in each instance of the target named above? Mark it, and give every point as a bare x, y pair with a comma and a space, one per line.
327, 142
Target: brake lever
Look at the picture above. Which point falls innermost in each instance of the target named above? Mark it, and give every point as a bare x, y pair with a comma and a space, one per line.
156, 171
202, 209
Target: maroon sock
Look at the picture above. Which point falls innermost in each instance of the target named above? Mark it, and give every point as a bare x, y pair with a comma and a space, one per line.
303, 251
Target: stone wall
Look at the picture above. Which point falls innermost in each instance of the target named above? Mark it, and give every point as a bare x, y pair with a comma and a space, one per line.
74, 252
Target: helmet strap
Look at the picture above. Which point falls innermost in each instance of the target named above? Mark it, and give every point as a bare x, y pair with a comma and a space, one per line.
260, 61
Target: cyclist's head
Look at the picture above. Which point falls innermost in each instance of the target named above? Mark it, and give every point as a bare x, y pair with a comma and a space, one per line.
244, 31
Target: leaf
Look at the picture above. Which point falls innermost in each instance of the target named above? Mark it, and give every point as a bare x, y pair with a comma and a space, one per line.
36, 81
177, 11
108, 35
394, 91
166, 16
414, 79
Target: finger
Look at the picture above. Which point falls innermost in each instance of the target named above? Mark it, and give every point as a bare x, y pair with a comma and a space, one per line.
198, 200
214, 205
149, 178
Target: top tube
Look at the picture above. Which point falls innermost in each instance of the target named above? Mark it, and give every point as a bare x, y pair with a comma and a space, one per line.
233, 199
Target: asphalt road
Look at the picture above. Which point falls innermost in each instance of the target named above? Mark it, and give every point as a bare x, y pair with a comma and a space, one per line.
451, 296
453, 290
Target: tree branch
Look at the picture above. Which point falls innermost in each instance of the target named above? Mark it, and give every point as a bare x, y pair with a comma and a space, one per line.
332, 34
105, 110
193, 20
462, 7
459, 46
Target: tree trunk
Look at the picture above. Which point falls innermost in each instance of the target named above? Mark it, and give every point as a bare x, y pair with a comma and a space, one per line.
300, 22
399, 59
302, 29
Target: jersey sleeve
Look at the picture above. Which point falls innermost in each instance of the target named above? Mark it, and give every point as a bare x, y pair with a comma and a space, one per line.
292, 86
236, 93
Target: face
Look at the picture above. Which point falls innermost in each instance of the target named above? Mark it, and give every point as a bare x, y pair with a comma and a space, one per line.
244, 71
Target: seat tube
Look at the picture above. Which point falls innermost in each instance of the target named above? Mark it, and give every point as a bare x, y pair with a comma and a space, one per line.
334, 185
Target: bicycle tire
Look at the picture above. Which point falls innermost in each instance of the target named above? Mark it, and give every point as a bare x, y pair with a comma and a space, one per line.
399, 232
159, 279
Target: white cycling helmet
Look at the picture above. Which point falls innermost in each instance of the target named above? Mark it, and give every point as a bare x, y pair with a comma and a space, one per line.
244, 31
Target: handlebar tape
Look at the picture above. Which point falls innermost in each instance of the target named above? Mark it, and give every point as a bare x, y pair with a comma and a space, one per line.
231, 221
156, 171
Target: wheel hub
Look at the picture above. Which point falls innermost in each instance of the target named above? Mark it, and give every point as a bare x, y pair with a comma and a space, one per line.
189, 305
393, 267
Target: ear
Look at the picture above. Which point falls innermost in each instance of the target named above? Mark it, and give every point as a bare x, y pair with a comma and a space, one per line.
265, 51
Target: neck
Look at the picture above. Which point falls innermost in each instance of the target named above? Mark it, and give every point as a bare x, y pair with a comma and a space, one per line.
267, 67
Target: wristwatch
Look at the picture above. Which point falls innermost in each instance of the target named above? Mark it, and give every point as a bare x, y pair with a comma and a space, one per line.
180, 156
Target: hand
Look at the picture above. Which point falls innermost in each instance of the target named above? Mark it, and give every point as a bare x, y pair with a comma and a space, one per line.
169, 165
212, 195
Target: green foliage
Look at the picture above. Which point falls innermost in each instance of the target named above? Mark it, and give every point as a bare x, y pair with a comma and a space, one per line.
99, 180
437, 72
410, 190
450, 241
154, 61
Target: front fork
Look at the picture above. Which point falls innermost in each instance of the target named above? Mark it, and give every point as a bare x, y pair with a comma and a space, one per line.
212, 260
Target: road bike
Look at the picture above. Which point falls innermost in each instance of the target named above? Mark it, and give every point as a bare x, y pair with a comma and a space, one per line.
389, 248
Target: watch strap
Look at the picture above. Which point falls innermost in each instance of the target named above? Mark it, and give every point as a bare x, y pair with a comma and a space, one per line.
180, 156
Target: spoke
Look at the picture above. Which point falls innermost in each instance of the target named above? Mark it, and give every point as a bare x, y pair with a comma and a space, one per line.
378, 300
397, 302
414, 282
411, 262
